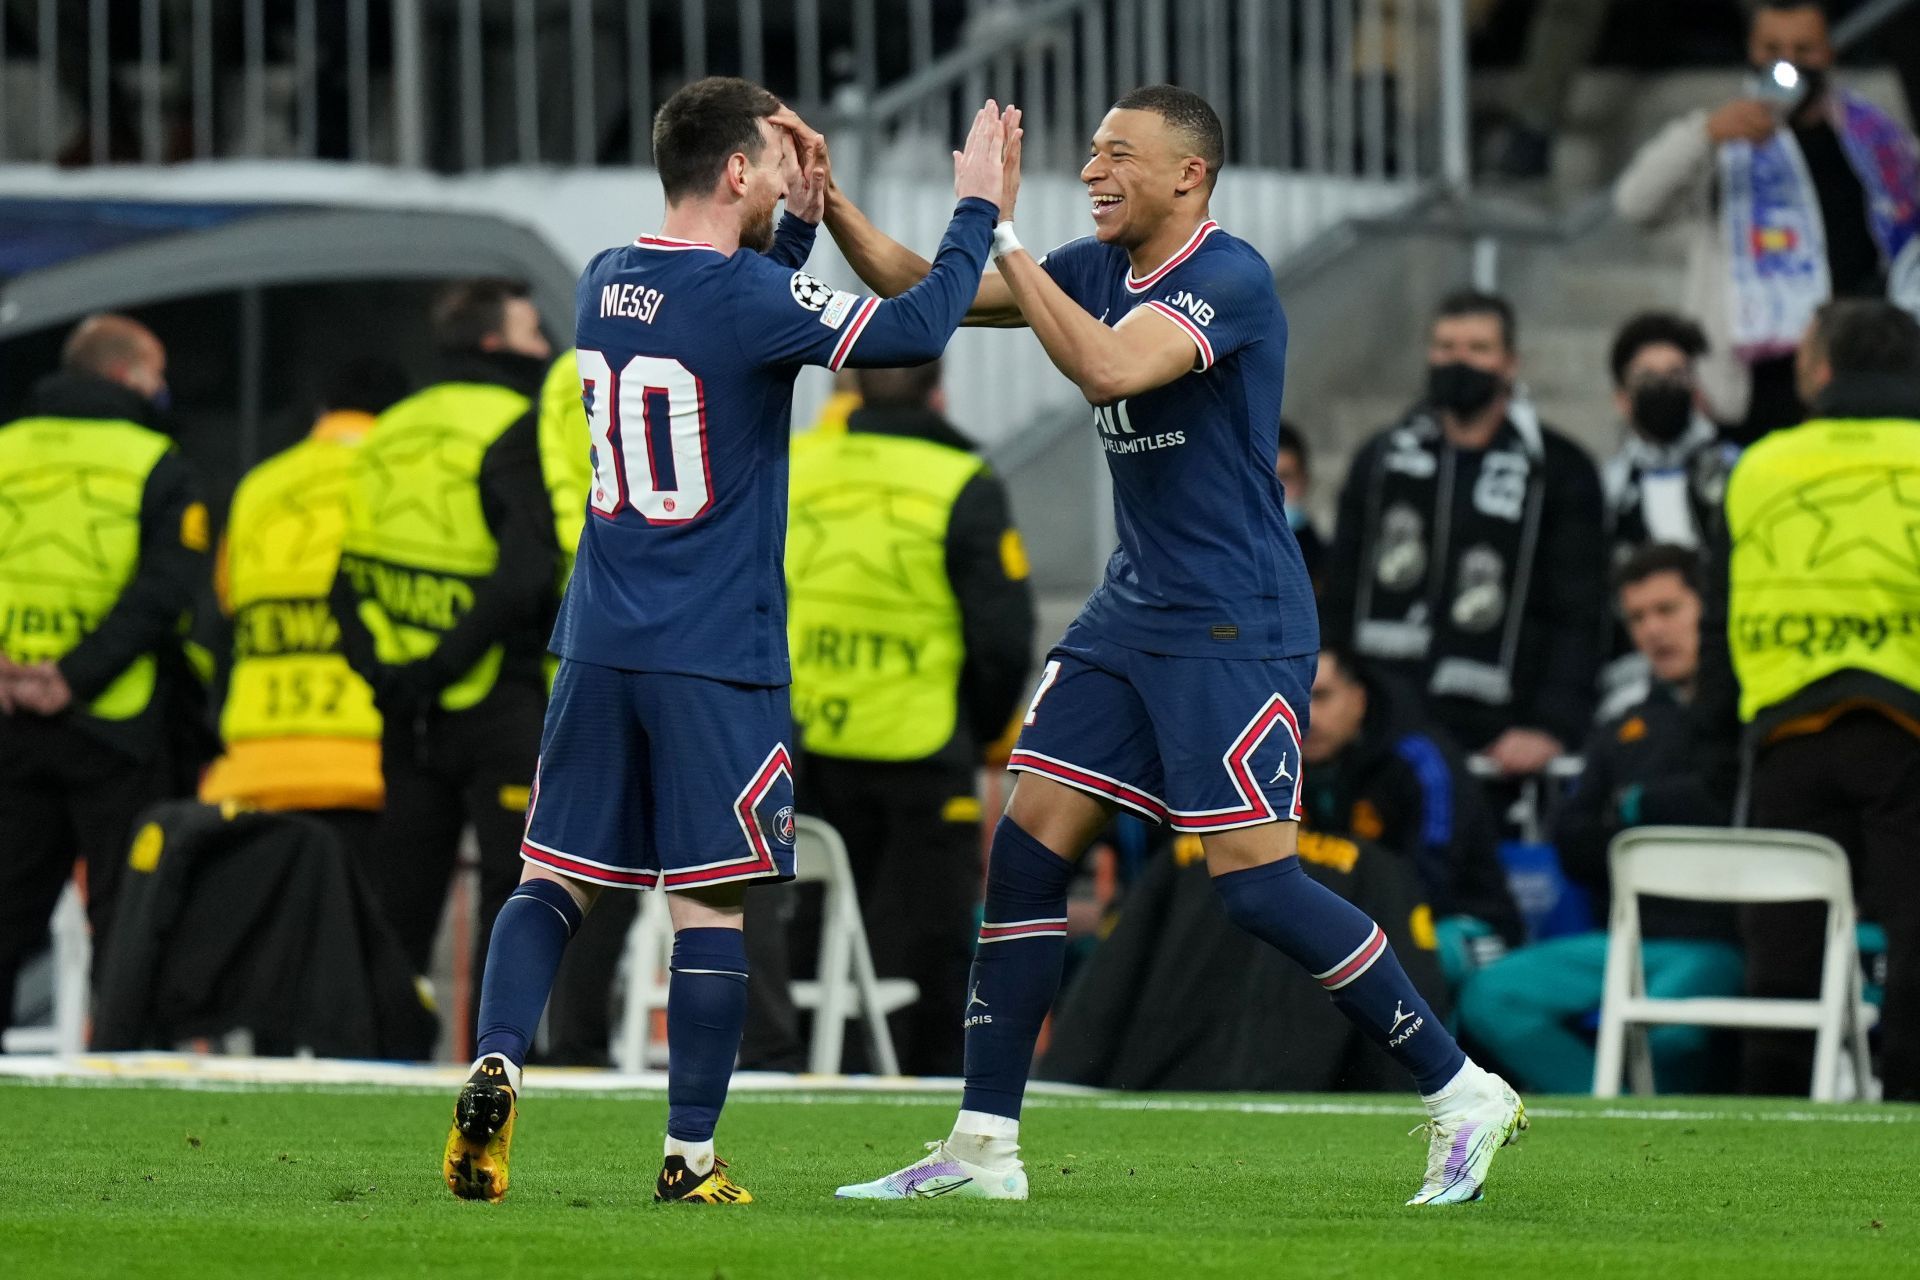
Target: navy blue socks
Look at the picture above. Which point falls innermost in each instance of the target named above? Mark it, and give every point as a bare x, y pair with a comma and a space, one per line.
1016, 974
529, 936
1346, 953
706, 1009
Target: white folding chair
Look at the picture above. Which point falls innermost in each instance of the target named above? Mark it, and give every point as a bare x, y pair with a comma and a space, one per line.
846, 986
72, 961
1711, 864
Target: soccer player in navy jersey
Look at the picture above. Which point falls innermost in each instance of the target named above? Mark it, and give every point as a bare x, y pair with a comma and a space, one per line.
1181, 691
664, 761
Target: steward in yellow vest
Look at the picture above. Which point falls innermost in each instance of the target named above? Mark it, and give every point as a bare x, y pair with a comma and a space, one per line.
1823, 622
445, 598
103, 543
910, 625
299, 724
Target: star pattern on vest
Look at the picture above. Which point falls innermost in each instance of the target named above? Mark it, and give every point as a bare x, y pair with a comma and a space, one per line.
430, 505
1865, 520
287, 536
85, 502
914, 519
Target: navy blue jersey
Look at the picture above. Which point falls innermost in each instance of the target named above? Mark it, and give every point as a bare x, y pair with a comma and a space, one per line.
1206, 566
687, 361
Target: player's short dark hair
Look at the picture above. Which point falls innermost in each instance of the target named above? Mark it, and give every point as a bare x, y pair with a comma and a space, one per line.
367, 384
905, 388
1189, 115
1654, 329
1657, 558
1478, 302
700, 126
1867, 335
1291, 441
468, 313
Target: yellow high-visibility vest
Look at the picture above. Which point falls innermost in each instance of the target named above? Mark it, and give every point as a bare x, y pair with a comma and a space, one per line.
70, 495
1825, 568
872, 622
290, 678
417, 539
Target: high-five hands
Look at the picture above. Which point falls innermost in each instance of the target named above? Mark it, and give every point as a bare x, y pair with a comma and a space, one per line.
981, 167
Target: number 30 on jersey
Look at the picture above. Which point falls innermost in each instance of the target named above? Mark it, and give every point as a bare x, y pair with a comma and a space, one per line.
648, 421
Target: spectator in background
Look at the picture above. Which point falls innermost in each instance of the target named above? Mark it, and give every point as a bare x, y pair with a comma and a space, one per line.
911, 621
1376, 773
1667, 481
1792, 194
445, 599
300, 727
1823, 581
1468, 558
1295, 477
102, 549
1642, 768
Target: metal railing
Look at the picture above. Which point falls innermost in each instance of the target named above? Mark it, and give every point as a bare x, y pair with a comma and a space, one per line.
1365, 88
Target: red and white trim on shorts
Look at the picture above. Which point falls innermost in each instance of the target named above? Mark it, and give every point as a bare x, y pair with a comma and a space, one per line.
1253, 808
1193, 331
855, 327
757, 863
575, 868
1187, 250
1359, 962
1095, 784
1016, 930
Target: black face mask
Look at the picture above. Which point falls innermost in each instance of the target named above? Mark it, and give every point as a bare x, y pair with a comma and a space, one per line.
1663, 409
1461, 389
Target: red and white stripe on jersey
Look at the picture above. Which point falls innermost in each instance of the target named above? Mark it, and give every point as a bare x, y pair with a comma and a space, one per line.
1253, 808
1014, 930
845, 346
1359, 962
1082, 779
1193, 331
670, 244
1140, 284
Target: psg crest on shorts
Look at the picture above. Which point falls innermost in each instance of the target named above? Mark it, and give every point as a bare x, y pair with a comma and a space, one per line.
783, 825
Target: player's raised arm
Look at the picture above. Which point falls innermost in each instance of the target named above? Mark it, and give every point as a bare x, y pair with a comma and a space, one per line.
916, 325
885, 265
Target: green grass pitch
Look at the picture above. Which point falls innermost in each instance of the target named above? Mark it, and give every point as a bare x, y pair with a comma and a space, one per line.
129, 1182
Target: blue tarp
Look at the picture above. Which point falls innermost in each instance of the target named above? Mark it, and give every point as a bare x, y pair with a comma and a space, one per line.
36, 234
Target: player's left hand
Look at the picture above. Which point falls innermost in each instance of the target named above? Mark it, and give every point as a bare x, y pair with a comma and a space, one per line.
1520, 753
1010, 163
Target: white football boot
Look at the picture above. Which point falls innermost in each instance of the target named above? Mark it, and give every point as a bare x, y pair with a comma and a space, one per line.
943, 1173
1480, 1115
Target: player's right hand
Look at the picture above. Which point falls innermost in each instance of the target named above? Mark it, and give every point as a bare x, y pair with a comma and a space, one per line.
1744, 120
979, 167
1010, 163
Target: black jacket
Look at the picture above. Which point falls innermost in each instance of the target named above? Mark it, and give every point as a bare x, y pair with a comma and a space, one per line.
995, 596
1558, 653
515, 606
172, 568
257, 921
1643, 768
1403, 786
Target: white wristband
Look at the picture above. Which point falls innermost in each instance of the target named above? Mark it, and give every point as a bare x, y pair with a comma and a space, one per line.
1004, 241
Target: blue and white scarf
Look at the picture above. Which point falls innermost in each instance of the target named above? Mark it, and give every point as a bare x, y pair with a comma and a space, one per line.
1771, 216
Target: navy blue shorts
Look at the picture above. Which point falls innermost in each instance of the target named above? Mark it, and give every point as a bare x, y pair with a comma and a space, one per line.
650, 780
1203, 744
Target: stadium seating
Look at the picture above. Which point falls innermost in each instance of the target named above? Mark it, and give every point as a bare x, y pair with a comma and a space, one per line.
72, 960
1728, 865
846, 986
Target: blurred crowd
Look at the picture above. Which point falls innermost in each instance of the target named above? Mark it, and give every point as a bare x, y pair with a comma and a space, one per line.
1526, 653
